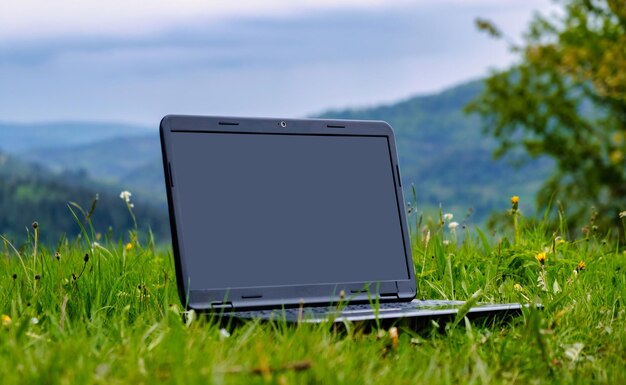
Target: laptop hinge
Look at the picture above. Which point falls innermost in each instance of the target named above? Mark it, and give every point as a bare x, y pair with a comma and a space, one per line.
228, 306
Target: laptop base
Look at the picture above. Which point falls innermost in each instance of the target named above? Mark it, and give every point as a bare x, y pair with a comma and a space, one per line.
416, 314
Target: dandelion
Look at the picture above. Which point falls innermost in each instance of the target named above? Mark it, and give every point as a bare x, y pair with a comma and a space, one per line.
581, 266
6, 320
448, 217
541, 257
542, 279
515, 213
453, 225
129, 246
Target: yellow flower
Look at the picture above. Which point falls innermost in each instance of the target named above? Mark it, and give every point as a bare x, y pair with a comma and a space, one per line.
616, 156
518, 287
541, 257
129, 246
581, 266
6, 320
514, 199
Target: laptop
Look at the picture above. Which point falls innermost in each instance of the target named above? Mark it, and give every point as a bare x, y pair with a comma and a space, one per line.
295, 219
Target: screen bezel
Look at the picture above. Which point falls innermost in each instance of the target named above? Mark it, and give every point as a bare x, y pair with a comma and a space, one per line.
288, 295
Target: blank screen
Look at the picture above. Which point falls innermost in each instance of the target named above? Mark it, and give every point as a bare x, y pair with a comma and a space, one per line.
276, 209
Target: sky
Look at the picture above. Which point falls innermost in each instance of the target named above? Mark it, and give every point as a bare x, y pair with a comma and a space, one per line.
134, 60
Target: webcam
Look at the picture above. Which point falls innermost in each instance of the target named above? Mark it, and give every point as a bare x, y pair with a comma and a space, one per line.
283, 124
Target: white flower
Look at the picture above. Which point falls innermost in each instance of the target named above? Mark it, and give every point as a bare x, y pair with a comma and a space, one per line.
125, 195
447, 217
446, 242
224, 333
622, 214
453, 225
34, 321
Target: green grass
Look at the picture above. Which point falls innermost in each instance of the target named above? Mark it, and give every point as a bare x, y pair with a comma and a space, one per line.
121, 320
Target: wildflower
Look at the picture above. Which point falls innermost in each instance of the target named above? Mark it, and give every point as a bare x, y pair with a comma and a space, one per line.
448, 217
34, 321
616, 156
125, 195
541, 257
622, 214
518, 287
581, 266
514, 203
446, 242
129, 246
558, 240
6, 320
224, 333
453, 225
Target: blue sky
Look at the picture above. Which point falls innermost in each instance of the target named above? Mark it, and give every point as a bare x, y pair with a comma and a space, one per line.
135, 61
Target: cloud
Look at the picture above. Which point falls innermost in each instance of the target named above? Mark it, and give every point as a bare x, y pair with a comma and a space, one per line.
284, 62
27, 19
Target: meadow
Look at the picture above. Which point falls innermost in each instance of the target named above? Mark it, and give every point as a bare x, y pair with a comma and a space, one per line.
94, 310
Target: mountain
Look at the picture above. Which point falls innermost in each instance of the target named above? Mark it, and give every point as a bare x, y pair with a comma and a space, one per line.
442, 152
18, 137
130, 162
31, 193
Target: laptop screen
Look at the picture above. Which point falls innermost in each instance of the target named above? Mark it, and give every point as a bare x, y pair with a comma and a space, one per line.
259, 209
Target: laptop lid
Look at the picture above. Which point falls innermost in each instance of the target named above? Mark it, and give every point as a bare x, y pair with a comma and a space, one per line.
276, 212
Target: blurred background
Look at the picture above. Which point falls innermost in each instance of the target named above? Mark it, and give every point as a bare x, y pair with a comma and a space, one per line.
83, 86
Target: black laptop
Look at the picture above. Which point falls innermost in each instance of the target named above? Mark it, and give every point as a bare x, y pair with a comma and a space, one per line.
294, 219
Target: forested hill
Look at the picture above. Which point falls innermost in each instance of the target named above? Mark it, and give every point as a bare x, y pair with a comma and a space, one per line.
444, 153
30, 193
